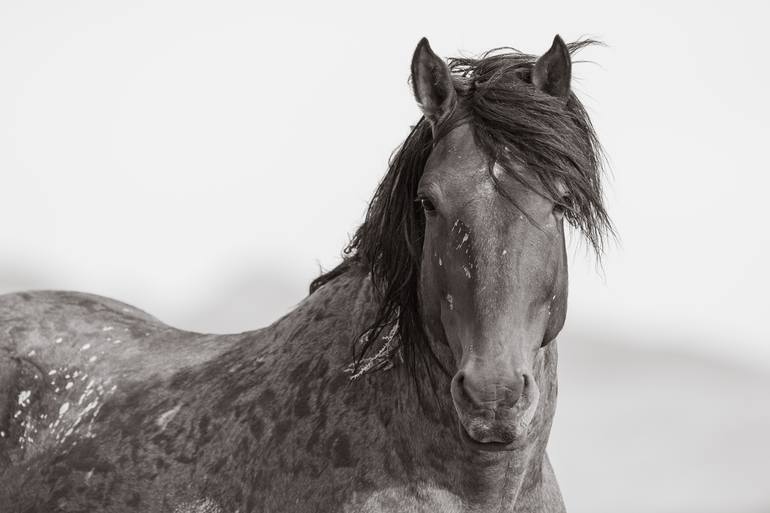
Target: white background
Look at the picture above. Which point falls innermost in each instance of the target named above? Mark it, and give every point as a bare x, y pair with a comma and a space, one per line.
200, 160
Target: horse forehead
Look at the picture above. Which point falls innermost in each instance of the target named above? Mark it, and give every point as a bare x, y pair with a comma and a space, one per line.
456, 152
461, 168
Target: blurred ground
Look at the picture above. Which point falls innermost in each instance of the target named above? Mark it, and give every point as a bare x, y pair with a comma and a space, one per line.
650, 431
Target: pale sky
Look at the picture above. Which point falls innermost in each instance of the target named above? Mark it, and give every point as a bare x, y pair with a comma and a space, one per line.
200, 159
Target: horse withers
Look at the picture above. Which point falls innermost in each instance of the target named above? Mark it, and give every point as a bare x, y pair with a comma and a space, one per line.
418, 375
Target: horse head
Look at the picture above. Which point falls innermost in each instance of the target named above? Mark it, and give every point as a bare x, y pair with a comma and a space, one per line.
464, 239
507, 163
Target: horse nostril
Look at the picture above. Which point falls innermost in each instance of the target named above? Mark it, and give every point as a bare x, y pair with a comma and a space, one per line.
462, 388
475, 390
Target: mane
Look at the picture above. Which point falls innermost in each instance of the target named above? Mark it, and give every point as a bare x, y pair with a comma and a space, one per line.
517, 127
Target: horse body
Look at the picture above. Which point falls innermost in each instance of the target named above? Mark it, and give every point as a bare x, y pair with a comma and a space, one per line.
167, 420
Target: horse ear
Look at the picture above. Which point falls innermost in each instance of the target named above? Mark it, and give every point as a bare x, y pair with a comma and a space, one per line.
553, 69
432, 83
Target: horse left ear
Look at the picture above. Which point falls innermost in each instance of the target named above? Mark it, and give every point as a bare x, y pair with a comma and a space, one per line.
432, 83
553, 70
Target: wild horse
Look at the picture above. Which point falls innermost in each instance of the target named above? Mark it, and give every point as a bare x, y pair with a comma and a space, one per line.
418, 375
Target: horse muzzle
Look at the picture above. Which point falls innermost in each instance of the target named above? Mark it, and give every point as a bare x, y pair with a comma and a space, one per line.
494, 415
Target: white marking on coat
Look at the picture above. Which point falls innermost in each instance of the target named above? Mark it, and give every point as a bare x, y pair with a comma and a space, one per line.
200, 506
24, 397
85, 347
166, 417
414, 498
63, 409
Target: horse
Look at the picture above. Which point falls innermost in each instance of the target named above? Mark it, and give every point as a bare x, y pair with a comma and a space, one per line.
418, 375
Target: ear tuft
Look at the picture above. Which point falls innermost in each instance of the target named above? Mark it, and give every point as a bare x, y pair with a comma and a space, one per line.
432, 84
553, 70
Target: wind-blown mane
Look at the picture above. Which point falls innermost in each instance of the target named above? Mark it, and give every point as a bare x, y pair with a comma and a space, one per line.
518, 128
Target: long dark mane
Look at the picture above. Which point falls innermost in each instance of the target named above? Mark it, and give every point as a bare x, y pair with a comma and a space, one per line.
517, 127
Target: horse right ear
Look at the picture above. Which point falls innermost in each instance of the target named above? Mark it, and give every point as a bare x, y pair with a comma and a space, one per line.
553, 70
432, 83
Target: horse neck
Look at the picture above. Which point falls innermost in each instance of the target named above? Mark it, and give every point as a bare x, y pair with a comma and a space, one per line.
417, 416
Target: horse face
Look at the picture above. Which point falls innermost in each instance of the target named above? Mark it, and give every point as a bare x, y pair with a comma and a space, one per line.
493, 285
493, 275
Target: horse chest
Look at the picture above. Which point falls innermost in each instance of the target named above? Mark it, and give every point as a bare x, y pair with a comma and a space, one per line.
406, 499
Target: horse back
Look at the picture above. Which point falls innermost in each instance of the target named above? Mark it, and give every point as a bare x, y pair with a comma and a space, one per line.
62, 355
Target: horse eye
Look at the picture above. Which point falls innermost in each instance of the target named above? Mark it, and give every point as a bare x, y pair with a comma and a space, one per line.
562, 206
427, 205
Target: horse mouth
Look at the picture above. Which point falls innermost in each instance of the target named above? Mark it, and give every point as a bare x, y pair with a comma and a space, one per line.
495, 430
492, 446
